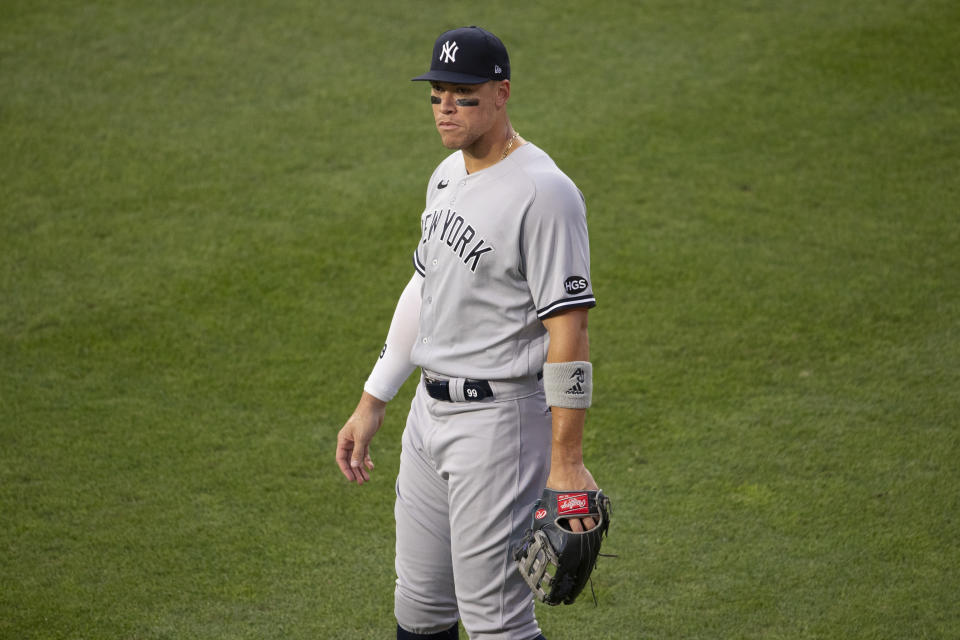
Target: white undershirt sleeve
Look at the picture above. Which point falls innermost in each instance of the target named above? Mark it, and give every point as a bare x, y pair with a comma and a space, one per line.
394, 366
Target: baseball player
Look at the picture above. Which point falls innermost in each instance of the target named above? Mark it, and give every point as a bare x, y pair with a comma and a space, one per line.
495, 316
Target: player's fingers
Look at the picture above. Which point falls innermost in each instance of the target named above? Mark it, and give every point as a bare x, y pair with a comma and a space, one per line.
354, 475
361, 455
343, 460
580, 525
348, 459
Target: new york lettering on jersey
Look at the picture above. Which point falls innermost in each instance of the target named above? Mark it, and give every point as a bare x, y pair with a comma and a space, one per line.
457, 234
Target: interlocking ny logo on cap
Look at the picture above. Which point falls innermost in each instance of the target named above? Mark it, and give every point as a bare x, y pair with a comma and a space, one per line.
449, 53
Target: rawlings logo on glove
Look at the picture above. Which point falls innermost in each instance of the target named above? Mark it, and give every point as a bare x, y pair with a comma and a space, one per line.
553, 560
572, 503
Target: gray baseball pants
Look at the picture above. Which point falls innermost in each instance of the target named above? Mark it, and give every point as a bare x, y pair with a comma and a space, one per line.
469, 475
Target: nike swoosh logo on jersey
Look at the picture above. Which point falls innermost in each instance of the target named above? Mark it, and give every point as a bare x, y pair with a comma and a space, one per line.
443, 184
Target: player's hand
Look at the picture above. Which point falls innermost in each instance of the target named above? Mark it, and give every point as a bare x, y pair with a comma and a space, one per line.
353, 441
572, 478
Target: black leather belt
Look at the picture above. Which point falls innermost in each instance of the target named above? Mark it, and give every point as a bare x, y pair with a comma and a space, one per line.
473, 390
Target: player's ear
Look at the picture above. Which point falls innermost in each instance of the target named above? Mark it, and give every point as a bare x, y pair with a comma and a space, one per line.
503, 92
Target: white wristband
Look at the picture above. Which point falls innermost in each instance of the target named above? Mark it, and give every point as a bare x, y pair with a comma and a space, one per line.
394, 366
568, 385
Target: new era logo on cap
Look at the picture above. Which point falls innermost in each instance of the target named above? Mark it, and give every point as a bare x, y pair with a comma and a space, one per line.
469, 55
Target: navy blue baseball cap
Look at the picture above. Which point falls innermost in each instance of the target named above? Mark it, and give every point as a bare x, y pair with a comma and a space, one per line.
468, 55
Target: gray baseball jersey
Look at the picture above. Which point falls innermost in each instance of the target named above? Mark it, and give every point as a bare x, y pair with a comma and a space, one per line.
500, 250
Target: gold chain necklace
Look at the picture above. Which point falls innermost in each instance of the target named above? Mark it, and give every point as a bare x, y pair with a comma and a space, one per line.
510, 144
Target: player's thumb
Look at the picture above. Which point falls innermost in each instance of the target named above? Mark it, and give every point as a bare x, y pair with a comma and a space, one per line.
360, 453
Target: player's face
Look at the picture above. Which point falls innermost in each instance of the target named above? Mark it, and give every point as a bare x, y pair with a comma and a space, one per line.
464, 113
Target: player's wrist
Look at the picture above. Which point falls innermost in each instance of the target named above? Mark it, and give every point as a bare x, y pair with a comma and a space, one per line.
370, 402
570, 477
566, 458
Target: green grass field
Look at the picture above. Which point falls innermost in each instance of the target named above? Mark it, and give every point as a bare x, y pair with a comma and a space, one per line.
207, 212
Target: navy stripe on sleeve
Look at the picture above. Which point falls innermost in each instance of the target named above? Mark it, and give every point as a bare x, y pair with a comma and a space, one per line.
419, 267
587, 301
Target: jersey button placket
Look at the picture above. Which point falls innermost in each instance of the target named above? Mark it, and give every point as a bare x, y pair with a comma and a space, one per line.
456, 192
